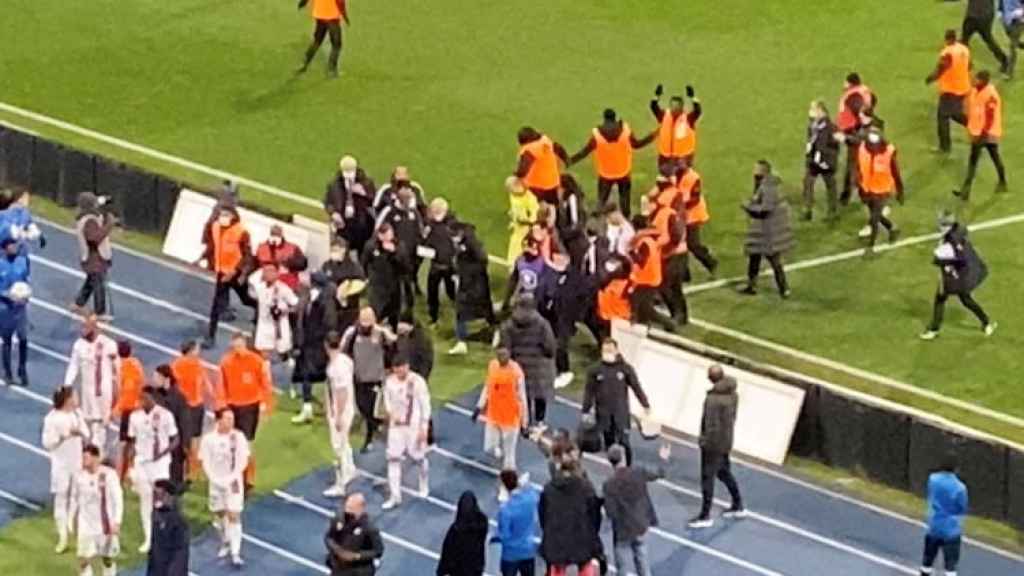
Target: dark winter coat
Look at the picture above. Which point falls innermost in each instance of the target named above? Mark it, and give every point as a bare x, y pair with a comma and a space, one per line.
418, 348
822, 147
384, 270
532, 344
565, 298
408, 226
473, 298
313, 320
607, 391
965, 271
355, 207
769, 231
570, 517
338, 272
355, 535
168, 555
628, 504
437, 235
463, 551
719, 419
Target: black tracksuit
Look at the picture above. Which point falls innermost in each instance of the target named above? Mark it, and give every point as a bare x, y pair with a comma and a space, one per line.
385, 271
437, 235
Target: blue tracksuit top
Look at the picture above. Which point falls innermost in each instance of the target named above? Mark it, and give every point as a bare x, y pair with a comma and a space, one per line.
947, 505
518, 525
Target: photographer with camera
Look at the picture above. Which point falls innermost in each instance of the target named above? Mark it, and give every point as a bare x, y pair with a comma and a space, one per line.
93, 225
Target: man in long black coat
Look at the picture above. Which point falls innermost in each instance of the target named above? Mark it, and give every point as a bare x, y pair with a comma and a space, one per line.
962, 270
316, 316
473, 297
168, 555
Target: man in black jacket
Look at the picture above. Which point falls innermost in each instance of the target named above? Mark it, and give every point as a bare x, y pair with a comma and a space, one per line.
962, 271
716, 435
407, 222
169, 553
347, 202
385, 269
354, 545
607, 391
822, 153
473, 294
438, 241
628, 506
415, 344
169, 395
978, 20
315, 316
532, 343
343, 271
570, 517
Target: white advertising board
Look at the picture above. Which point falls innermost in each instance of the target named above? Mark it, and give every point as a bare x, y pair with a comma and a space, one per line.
676, 384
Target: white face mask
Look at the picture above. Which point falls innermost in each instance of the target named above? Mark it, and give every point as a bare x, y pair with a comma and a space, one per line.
874, 138
609, 358
275, 240
224, 221
337, 256
349, 174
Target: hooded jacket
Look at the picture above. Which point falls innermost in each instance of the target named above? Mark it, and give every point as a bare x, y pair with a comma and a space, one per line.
719, 420
93, 232
517, 525
473, 298
462, 553
570, 516
532, 344
962, 268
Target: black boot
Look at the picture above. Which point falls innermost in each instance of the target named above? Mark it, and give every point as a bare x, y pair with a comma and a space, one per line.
5, 352
23, 362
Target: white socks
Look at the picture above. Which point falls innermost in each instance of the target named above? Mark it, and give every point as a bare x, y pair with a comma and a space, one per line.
234, 537
395, 480
146, 511
110, 570
60, 518
87, 571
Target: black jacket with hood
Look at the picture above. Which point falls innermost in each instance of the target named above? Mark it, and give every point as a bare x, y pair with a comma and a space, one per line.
719, 420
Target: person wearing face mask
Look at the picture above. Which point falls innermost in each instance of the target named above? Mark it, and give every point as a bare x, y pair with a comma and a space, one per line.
407, 223
94, 368
14, 269
282, 254
388, 193
348, 203
879, 178
93, 228
769, 234
354, 545
368, 344
607, 393
473, 296
228, 255
439, 244
170, 553
317, 316
386, 268
822, 157
962, 272
345, 273
275, 304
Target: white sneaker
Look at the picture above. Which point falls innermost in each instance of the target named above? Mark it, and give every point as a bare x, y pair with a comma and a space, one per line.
61, 547
304, 416
929, 335
110, 570
237, 561
990, 328
335, 491
699, 523
144, 548
223, 551
563, 380
735, 513
390, 504
495, 339
424, 490
459, 349
865, 231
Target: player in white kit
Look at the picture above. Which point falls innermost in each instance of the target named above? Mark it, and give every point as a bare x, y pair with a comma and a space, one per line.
407, 402
340, 412
224, 452
152, 436
98, 506
93, 366
276, 300
64, 433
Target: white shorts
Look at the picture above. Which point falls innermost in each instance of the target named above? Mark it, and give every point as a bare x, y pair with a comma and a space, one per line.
227, 499
149, 472
403, 441
98, 545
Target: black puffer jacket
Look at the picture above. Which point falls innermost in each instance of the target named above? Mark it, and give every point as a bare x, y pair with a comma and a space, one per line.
473, 298
719, 421
570, 516
532, 344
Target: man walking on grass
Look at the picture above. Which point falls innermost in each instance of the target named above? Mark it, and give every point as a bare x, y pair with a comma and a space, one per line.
985, 127
327, 16
716, 437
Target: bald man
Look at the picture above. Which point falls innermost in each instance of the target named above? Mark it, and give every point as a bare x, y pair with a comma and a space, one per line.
354, 545
716, 436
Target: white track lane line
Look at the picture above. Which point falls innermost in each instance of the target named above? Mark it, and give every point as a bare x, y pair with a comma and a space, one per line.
20, 501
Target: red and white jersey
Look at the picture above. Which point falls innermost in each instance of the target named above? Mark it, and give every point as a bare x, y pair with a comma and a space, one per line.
152, 433
93, 366
339, 381
407, 401
224, 457
97, 499
64, 447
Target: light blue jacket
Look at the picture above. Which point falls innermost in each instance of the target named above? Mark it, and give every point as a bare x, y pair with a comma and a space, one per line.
518, 526
1008, 9
947, 505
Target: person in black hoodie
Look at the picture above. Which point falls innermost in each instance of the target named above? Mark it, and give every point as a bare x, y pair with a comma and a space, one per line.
532, 343
415, 344
316, 316
385, 269
462, 553
170, 397
607, 392
570, 517
347, 202
822, 155
407, 222
339, 269
438, 239
473, 296
571, 219
562, 298
962, 271
716, 435
169, 553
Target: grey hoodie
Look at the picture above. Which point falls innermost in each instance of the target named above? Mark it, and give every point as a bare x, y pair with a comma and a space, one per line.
716, 427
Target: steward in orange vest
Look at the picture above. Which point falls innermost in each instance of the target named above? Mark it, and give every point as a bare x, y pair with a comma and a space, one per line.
985, 125
503, 404
677, 129
695, 210
614, 293
246, 389
612, 143
856, 99
194, 385
327, 17
229, 256
670, 227
539, 168
647, 276
879, 178
953, 73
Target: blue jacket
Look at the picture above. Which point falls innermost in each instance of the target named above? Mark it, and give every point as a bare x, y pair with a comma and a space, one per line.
518, 527
1008, 10
947, 505
16, 222
12, 271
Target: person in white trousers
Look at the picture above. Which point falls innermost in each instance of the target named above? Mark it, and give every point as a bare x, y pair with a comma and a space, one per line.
93, 367
407, 403
340, 412
224, 452
64, 433
97, 504
152, 437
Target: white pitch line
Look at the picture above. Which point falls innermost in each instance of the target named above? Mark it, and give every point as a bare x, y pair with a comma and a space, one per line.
19, 128
157, 302
784, 526
20, 501
300, 560
22, 444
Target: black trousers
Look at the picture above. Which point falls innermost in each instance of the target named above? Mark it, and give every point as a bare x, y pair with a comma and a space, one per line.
434, 279
624, 185
716, 465
519, 567
939, 309
642, 303
1014, 32
829, 178
992, 146
775, 260
983, 27
950, 552
322, 29
366, 398
221, 295
696, 246
951, 107
388, 306
850, 174
617, 433
95, 285
674, 272
876, 217
540, 409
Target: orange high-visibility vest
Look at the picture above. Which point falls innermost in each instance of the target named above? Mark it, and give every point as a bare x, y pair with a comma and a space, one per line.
613, 160
326, 10
957, 78
676, 137
132, 379
662, 222
188, 371
846, 120
227, 247
613, 301
698, 213
650, 273
671, 197
244, 380
876, 176
503, 409
544, 173
978, 105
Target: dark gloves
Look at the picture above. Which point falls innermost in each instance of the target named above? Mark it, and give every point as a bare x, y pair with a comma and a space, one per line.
476, 415
690, 92
42, 241
659, 90
524, 433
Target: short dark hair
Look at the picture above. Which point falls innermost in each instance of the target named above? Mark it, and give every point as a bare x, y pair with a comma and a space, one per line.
616, 454
509, 479
188, 345
950, 463
148, 390
400, 359
853, 78
984, 76
950, 35
124, 348
166, 486
333, 340
766, 165
675, 99
91, 449
165, 371
609, 115
609, 340
61, 396
219, 413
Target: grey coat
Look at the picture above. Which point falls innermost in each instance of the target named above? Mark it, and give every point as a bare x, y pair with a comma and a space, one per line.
532, 344
769, 231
